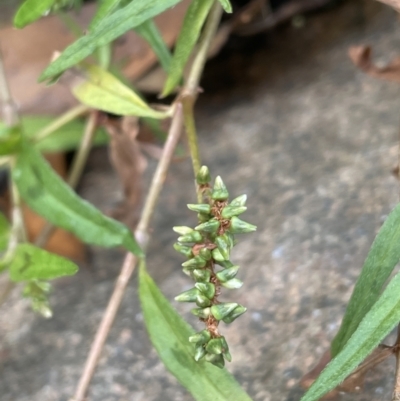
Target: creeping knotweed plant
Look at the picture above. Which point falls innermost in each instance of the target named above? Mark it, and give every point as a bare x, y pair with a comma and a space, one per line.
207, 246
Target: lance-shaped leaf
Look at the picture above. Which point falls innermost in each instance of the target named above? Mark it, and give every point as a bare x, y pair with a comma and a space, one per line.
67, 137
32, 263
103, 91
10, 140
31, 10
149, 32
376, 324
226, 5
381, 260
169, 334
108, 29
104, 9
45, 192
188, 36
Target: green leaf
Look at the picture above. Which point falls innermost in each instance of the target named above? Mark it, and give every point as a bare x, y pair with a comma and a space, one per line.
149, 32
381, 260
103, 91
4, 232
226, 5
170, 334
10, 140
377, 323
48, 195
31, 10
32, 263
108, 29
104, 9
188, 36
68, 137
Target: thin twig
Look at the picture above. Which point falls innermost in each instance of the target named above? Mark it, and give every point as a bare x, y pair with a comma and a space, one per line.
9, 109
61, 121
76, 171
130, 260
396, 391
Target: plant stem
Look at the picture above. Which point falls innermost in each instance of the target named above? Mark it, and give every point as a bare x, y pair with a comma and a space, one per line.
76, 171
70, 115
191, 88
130, 260
396, 390
9, 109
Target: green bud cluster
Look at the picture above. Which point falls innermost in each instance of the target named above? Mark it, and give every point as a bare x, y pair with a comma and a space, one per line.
207, 248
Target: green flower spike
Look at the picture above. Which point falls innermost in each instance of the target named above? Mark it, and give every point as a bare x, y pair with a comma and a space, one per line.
230, 211
239, 201
207, 289
184, 250
223, 310
199, 353
202, 313
240, 227
203, 176
194, 263
201, 275
194, 236
239, 310
188, 296
224, 246
201, 208
206, 246
227, 274
210, 226
201, 337
217, 360
233, 284
219, 192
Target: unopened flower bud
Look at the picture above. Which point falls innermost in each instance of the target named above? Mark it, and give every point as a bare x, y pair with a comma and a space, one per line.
200, 208
188, 296
219, 190
203, 176
240, 227
194, 263
184, 250
194, 236
239, 201
227, 274
233, 283
202, 275
239, 310
210, 226
207, 289
217, 360
202, 313
221, 311
201, 337
230, 211
214, 346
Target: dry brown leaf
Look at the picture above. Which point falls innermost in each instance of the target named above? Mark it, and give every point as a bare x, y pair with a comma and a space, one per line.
392, 3
361, 56
129, 163
353, 383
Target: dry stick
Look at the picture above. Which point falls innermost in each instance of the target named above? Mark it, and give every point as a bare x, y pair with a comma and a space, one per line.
78, 165
130, 260
396, 391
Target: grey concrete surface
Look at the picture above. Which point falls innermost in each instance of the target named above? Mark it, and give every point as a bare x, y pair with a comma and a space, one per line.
311, 140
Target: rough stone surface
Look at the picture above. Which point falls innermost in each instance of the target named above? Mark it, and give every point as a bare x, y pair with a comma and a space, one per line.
311, 140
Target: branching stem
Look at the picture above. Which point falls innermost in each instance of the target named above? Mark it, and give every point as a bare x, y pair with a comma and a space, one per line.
130, 260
